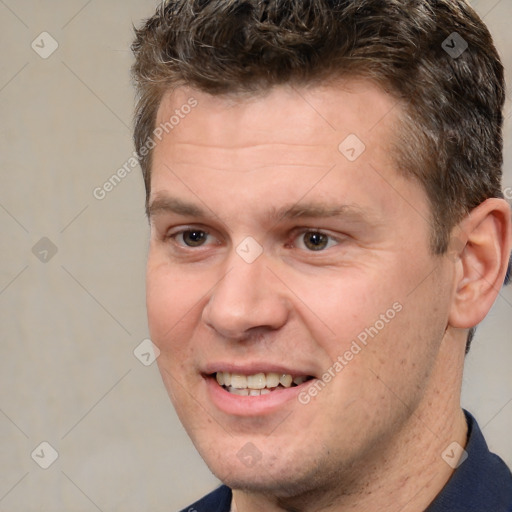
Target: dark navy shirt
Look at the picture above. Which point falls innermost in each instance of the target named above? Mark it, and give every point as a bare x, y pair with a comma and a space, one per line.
482, 483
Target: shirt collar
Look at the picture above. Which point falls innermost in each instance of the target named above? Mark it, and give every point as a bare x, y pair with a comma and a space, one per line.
481, 482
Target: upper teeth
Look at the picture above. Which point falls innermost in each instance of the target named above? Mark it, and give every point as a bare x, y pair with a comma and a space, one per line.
258, 380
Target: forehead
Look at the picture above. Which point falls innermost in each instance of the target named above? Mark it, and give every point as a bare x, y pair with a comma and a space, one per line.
285, 114
280, 143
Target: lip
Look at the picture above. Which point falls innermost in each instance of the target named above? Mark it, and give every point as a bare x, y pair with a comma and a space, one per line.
253, 369
248, 406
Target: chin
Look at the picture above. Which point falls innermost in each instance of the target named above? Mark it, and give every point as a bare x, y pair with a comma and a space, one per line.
288, 486
260, 481
281, 473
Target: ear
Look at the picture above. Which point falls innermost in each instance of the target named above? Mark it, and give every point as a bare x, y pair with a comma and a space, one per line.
482, 245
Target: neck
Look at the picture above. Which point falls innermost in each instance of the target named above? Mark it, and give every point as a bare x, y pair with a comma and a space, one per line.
406, 474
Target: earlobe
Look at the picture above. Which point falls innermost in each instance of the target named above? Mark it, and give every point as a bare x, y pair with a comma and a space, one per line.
481, 246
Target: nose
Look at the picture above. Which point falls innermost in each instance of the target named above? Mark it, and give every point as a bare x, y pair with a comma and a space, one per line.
247, 300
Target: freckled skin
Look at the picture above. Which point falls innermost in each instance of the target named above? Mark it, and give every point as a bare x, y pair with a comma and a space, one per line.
240, 160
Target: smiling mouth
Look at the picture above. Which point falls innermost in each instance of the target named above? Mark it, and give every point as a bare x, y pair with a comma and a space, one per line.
257, 384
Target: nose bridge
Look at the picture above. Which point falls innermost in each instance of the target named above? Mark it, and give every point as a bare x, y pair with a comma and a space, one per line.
245, 298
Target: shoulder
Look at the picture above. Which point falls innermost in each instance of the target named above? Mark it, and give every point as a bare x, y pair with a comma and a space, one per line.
217, 501
481, 482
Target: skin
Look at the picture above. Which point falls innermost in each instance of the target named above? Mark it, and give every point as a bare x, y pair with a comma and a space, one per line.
372, 438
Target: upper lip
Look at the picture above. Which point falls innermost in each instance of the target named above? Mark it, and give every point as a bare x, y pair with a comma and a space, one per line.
254, 368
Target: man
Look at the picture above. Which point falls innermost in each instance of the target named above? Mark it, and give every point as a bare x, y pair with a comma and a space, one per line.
327, 229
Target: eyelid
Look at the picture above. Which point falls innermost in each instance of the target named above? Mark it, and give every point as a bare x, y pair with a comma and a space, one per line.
177, 229
183, 229
296, 233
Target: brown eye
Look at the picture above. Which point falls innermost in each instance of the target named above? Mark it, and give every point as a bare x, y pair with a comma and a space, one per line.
194, 237
315, 241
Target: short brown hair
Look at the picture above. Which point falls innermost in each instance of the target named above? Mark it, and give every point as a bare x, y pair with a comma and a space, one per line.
450, 138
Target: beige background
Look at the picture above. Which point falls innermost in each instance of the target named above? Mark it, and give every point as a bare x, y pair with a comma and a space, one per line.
70, 324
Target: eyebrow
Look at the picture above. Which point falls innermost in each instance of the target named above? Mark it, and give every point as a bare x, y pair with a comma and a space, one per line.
316, 211
166, 204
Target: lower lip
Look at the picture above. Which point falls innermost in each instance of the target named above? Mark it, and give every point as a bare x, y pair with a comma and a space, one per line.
251, 405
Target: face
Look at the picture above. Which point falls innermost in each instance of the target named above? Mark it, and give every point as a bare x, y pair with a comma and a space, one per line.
291, 263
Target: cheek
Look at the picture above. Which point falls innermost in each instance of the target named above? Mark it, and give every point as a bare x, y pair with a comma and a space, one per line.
375, 320
170, 301
345, 306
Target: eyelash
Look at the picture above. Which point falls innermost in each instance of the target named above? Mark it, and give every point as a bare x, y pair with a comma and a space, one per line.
172, 236
295, 235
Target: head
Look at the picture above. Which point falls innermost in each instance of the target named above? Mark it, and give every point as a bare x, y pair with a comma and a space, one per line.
274, 90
